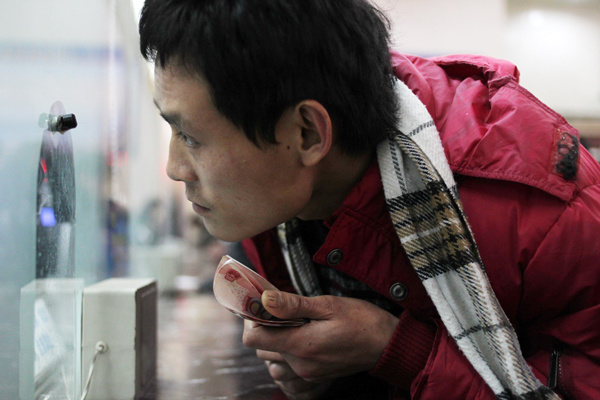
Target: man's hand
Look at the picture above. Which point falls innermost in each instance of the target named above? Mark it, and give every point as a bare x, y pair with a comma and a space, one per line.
294, 387
344, 335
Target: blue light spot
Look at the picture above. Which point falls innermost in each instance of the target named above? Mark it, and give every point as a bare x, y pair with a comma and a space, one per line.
47, 217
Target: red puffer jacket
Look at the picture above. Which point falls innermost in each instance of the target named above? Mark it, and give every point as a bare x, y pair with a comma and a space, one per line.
532, 198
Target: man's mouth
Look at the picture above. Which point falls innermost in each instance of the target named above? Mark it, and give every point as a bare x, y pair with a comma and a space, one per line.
198, 209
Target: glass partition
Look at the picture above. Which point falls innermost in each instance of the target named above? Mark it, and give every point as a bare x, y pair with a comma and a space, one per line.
56, 183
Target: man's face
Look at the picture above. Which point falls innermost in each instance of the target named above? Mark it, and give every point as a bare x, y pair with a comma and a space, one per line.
237, 188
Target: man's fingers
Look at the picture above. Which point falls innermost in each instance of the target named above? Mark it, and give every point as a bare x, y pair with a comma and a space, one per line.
281, 371
289, 306
250, 324
297, 385
270, 356
299, 389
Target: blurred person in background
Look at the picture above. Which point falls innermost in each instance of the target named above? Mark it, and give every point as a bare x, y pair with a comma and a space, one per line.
436, 223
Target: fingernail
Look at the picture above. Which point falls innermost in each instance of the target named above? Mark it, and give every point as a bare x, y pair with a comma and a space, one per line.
273, 298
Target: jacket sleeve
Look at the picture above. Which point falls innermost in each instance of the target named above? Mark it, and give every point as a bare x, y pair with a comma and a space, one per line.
422, 362
559, 316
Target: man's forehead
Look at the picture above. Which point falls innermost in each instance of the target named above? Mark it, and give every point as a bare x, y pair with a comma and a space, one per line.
177, 70
172, 87
180, 97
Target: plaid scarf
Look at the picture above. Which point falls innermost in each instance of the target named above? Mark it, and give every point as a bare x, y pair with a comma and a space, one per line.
422, 199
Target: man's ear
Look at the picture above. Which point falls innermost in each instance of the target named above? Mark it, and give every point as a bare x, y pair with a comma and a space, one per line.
316, 130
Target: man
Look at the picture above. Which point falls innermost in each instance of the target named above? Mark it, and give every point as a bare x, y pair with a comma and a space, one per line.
297, 132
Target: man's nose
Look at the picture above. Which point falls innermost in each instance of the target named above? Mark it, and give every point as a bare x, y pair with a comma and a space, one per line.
179, 164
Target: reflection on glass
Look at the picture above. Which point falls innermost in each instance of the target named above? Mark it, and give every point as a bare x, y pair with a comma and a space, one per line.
50, 306
50, 338
55, 203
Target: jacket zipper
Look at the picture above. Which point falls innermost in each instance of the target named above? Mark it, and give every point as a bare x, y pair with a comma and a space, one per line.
554, 368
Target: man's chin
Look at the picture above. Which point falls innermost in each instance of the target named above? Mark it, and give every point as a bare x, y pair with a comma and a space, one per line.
228, 235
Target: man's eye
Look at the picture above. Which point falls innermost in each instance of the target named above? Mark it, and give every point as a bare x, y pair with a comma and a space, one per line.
187, 139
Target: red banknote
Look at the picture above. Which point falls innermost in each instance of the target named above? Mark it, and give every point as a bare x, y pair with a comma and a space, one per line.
239, 290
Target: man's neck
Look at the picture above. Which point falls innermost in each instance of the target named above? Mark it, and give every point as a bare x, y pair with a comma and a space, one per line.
338, 173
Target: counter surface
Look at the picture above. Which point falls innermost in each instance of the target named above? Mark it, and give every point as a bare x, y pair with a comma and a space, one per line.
201, 355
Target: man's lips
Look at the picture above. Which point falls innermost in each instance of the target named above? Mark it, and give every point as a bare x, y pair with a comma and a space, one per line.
200, 209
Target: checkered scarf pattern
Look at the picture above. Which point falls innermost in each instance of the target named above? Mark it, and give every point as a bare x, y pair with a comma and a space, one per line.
423, 202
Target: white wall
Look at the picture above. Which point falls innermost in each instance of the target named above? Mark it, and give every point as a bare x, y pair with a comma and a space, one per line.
436, 27
557, 49
555, 43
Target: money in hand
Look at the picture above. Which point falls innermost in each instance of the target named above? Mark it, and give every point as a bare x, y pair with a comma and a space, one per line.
239, 290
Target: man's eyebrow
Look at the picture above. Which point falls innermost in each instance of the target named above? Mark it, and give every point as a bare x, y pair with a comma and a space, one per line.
172, 119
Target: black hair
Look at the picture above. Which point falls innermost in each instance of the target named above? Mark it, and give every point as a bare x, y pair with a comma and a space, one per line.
261, 57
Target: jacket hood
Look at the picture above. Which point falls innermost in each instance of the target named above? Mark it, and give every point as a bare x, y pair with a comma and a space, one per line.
491, 127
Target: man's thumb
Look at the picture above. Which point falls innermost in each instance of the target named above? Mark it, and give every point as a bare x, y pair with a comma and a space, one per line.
285, 305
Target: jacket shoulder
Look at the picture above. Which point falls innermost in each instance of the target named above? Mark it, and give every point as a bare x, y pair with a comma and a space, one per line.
492, 127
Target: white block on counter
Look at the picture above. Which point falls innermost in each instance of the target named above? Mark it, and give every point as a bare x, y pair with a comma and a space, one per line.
120, 312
